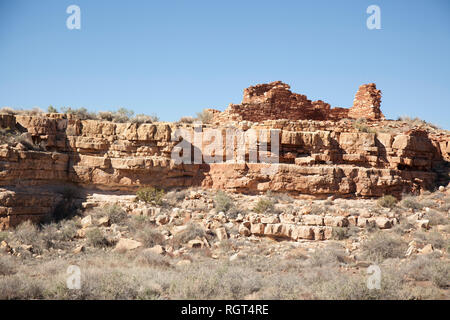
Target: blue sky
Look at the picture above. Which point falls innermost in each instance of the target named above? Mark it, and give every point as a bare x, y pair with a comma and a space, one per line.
174, 58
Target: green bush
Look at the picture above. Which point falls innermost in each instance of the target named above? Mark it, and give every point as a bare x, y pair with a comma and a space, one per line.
81, 113
223, 202
115, 213
361, 126
52, 109
264, 205
387, 201
151, 195
96, 238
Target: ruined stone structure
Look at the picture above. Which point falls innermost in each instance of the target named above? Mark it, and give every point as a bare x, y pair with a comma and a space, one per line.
317, 158
367, 103
275, 101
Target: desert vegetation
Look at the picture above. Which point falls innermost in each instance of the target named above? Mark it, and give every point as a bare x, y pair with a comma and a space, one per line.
159, 246
121, 115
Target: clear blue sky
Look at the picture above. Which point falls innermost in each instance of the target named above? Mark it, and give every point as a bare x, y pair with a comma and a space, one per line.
174, 58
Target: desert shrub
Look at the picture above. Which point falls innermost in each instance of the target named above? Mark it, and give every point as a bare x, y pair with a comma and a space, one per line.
402, 227
223, 202
336, 285
435, 218
330, 255
411, 202
68, 229
151, 195
51, 236
205, 116
152, 259
361, 126
26, 140
52, 109
35, 111
6, 265
18, 287
215, 280
282, 197
431, 237
143, 118
440, 273
192, 231
4, 236
174, 197
186, 120
414, 122
122, 115
150, 236
28, 233
264, 205
105, 115
371, 227
383, 245
96, 238
341, 233
317, 209
80, 113
8, 136
100, 284
8, 110
387, 201
429, 267
115, 213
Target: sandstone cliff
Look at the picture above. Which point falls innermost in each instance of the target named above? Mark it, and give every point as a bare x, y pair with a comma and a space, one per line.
321, 156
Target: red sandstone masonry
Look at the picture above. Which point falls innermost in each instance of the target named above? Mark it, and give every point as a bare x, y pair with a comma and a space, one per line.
275, 101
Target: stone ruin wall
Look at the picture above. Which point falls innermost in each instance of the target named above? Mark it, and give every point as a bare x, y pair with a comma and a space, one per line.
275, 101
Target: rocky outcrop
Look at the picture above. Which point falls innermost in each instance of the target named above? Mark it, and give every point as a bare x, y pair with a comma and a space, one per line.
316, 158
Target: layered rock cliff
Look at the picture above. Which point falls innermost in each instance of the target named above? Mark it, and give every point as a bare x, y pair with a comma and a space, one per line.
316, 157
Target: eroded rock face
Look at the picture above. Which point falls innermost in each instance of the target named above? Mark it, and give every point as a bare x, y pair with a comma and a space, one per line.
316, 158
